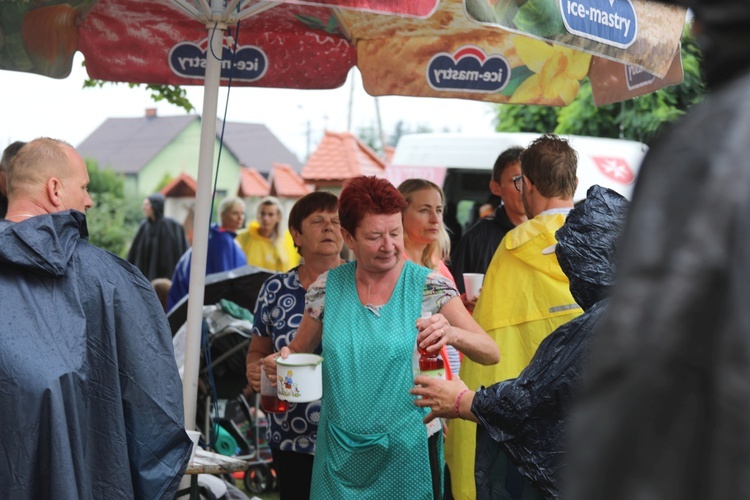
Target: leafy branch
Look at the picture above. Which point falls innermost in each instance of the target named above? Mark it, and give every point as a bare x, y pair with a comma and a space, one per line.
173, 94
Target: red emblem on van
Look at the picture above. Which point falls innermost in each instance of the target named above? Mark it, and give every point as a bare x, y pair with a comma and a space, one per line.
616, 169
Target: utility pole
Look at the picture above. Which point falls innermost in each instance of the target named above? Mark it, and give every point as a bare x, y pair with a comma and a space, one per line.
351, 104
381, 136
307, 157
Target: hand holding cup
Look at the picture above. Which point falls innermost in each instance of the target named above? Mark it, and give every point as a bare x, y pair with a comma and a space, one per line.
473, 284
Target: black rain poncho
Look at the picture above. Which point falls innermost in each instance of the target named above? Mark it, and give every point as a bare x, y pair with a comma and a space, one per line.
665, 405
90, 399
525, 418
158, 244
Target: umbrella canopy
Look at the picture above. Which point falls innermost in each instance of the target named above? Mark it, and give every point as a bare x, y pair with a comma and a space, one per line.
284, 45
508, 51
183, 42
472, 49
464, 51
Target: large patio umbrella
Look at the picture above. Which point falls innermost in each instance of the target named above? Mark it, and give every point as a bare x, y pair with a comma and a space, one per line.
449, 48
182, 42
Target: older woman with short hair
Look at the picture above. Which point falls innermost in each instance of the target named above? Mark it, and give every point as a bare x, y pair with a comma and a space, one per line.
368, 315
315, 227
222, 253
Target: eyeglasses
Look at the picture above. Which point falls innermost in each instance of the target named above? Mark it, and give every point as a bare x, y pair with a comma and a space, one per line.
518, 181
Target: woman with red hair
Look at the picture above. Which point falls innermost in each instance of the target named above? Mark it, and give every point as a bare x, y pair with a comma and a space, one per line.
370, 315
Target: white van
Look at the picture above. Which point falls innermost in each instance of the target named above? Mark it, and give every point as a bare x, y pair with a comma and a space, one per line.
462, 165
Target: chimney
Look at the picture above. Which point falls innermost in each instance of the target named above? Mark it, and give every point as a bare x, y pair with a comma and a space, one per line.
150, 112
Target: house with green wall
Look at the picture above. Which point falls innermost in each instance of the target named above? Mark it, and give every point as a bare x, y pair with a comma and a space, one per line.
151, 150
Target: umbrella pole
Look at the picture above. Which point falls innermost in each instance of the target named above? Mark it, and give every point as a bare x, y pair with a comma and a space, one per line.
196, 291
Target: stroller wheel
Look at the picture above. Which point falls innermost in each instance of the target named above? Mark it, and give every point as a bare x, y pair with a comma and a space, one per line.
258, 479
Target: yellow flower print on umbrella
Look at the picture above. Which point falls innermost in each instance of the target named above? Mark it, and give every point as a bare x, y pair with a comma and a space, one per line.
557, 72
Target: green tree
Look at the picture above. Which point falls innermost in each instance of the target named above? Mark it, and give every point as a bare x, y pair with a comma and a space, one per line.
639, 119
171, 93
114, 219
512, 118
104, 181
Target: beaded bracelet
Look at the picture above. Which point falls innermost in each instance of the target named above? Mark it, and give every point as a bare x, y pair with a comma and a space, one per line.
458, 401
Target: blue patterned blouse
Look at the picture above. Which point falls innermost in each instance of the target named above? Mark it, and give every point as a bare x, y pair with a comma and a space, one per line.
278, 313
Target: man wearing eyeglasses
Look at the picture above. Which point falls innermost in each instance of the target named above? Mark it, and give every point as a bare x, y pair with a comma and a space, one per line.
474, 251
525, 297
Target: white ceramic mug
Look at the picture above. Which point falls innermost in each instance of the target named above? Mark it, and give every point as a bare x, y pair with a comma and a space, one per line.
299, 378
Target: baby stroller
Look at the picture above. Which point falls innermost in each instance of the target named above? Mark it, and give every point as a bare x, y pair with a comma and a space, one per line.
232, 423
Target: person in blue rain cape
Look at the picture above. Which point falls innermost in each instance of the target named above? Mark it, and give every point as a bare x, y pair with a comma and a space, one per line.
90, 397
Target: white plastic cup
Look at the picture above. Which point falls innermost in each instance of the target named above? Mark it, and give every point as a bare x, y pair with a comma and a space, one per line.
473, 284
194, 437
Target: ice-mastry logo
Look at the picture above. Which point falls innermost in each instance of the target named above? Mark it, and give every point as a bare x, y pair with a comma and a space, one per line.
612, 22
188, 60
468, 69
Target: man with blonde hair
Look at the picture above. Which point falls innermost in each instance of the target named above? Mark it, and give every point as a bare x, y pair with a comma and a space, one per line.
91, 400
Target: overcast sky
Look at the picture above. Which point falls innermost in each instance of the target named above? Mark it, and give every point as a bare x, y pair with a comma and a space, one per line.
33, 106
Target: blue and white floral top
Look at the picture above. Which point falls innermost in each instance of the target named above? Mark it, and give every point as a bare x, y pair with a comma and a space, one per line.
278, 313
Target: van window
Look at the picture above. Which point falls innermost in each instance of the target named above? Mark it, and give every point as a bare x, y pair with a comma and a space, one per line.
465, 214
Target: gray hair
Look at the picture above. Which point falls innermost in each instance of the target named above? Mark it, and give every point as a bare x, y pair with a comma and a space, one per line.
227, 203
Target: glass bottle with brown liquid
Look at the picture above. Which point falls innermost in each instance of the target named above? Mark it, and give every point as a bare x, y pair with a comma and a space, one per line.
430, 362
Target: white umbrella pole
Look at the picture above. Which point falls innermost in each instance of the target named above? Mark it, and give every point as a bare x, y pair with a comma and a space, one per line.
202, 220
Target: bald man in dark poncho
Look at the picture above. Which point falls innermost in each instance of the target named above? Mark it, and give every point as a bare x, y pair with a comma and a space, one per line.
159, 242
90, 397
665, 409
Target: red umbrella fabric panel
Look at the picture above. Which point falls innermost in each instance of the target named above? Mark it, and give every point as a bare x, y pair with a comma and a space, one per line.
289, 46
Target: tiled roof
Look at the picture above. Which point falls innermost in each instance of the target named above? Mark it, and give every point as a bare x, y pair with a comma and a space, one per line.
183, 186
341, 156
126, 145
252, 183
388, 153
286, 183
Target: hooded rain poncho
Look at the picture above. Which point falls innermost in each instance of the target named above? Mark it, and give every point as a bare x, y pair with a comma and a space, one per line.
90, 399
158, 244
525, 418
